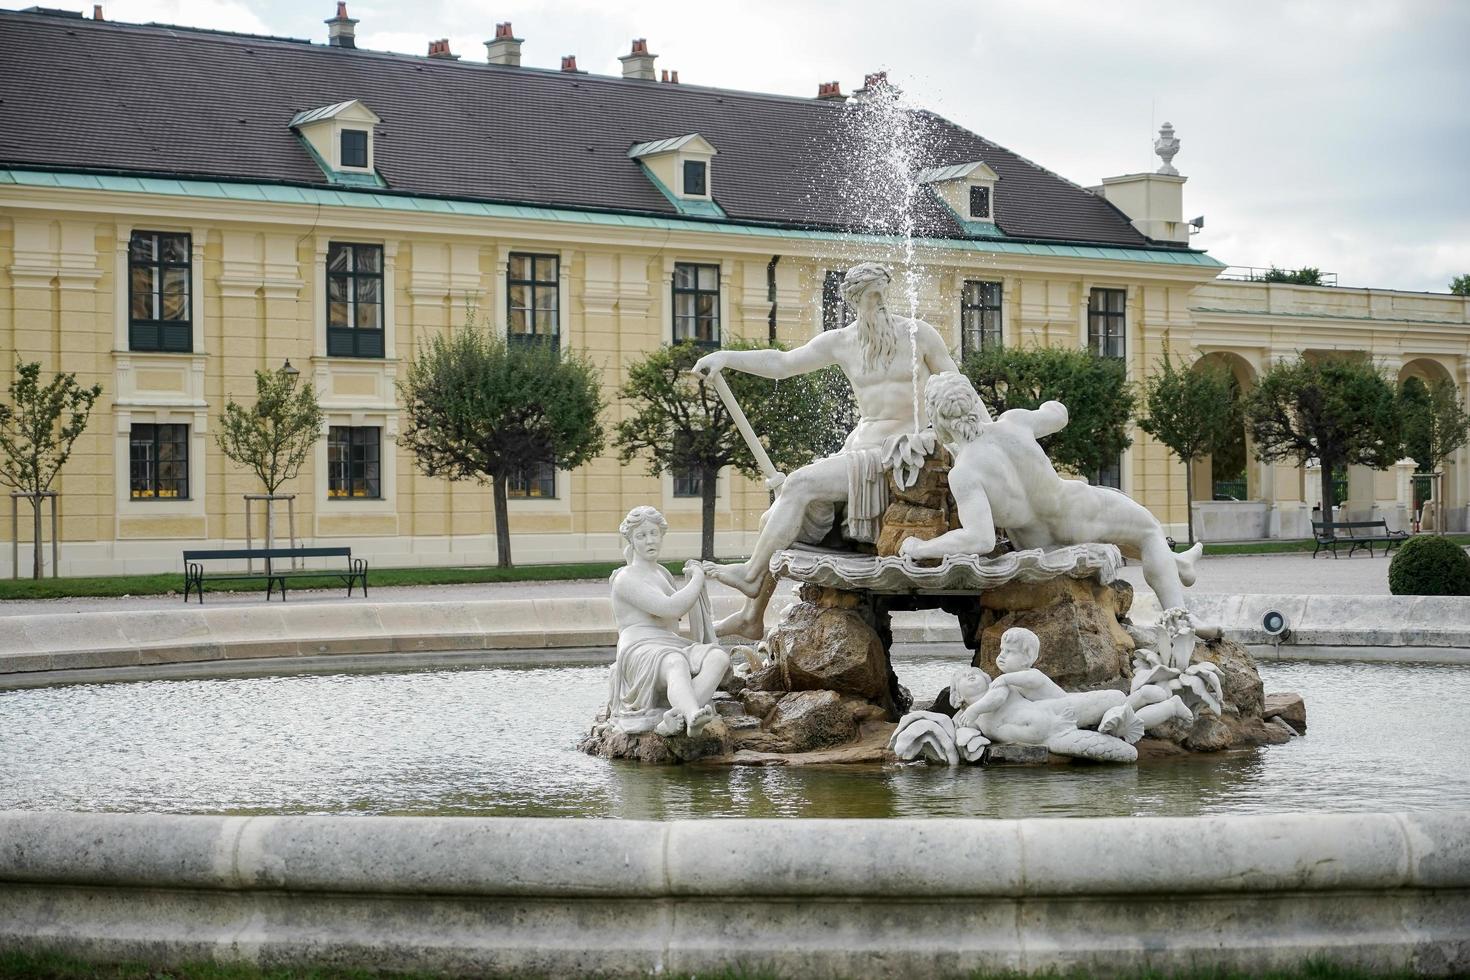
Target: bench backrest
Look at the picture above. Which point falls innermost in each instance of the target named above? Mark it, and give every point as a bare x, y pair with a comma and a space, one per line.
224, 553
1329, 527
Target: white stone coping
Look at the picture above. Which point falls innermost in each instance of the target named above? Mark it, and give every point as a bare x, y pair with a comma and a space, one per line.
508, 896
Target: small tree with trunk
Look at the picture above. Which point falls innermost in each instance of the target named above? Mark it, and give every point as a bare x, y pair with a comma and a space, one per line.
38, 428
480, 409
1191, 411
1095, 390
1338, 409
1434, 422
273, 437
680, 425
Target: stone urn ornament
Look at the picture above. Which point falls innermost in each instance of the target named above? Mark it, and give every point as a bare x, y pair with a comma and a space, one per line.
1166, 146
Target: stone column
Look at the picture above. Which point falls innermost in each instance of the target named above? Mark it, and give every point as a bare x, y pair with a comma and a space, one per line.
1312, 487
1403, 472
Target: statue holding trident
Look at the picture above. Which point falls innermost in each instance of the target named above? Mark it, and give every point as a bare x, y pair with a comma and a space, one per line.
888, 360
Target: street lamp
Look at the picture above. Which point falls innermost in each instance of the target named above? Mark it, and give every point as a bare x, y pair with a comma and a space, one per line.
288, 370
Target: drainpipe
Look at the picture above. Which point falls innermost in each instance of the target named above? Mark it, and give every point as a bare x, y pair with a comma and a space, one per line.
771, 295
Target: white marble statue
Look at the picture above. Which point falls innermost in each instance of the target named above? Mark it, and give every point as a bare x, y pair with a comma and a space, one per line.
887, 358
662, 681
1001, 477
1005, 715
1162, 663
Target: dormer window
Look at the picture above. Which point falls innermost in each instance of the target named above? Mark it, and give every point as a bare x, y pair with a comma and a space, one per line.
680, 168
980, 202
354, 148
696, 178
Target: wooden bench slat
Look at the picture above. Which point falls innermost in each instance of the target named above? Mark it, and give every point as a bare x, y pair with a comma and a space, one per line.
194, 576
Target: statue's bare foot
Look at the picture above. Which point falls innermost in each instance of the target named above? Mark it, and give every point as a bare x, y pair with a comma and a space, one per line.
734, 577
700, 718
748, 622
673, 723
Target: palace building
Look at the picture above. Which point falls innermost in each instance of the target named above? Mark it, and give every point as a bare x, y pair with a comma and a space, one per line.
181, 207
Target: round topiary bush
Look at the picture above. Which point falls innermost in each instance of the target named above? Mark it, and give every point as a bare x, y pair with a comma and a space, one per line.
1429, 565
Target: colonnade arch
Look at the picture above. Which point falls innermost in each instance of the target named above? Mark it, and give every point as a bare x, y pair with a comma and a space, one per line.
1431, 371
1237, 476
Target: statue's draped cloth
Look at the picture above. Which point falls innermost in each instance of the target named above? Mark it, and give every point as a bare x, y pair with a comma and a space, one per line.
635, 702
867, 499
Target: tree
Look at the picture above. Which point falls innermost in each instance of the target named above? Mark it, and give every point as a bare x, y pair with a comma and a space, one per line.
1460, 285
1339, 409
1307, 276
1095, 390
477, 408
37, 431
680, 425
1191, 411
274, 437
1434, 421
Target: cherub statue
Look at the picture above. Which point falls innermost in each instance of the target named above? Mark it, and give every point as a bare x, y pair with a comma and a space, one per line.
661, 681
1001, 477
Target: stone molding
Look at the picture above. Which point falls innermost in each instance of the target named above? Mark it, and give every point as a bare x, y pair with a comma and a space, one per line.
959, 573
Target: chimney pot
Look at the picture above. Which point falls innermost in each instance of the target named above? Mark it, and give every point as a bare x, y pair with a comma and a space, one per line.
877, 79
638, 63
341, 29
674, 77
440, 49
503, 30
96, 11
831, 91
505, 49
569, 63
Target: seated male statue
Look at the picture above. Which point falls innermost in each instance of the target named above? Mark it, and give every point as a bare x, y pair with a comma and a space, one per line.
1001, 477
880, 353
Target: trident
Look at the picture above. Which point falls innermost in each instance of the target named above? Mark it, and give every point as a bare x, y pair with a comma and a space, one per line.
774, 477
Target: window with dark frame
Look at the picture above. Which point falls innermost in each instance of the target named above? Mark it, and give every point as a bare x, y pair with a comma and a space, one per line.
354, 300
696, 178
688, 483
354, 148
1106, 327
534, 481
980, 202
533, 299
1110, 475
158, 462
159, 283
354, 462
835, 312
697, 303
979, 316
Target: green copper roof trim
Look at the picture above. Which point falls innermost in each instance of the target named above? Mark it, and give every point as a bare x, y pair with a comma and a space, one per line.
341, 176
283, 194
696, 209
973, 228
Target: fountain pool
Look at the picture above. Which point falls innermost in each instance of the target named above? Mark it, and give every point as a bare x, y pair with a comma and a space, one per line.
463, 742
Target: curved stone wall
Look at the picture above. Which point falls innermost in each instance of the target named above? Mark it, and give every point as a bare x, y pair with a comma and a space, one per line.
794, 897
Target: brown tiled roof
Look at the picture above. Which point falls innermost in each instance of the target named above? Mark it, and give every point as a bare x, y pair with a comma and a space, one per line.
105, 96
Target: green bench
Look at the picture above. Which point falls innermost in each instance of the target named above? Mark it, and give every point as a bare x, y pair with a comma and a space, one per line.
355, 571
1359, 534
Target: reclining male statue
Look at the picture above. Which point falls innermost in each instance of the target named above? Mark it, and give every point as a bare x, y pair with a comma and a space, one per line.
1001, 477
877, 352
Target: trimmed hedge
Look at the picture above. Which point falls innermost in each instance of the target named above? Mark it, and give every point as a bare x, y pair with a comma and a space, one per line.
1429, 565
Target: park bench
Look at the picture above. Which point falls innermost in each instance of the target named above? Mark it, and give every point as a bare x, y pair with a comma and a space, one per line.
1359, 534
356, 569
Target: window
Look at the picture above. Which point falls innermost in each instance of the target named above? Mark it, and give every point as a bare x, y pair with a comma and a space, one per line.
835, 313
352, 462
1105, 326
158, 462
696, 178
535, 480
158, 292
697, 303
979, 317
532, 299
1109, 475
688, 483
354, 148
354, 300
980, 202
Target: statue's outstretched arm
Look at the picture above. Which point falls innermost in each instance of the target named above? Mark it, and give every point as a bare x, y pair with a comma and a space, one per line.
815, 354
1050, 417
974, 536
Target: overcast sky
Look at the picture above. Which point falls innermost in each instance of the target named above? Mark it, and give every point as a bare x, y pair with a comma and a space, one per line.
1328, 133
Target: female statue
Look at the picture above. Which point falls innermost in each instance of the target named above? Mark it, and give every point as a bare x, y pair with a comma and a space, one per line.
662, 681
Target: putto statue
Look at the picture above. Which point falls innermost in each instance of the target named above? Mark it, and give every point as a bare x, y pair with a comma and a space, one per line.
887, 358
1001, 477
662, 681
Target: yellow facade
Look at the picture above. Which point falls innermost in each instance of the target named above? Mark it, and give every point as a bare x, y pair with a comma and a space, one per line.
258, 278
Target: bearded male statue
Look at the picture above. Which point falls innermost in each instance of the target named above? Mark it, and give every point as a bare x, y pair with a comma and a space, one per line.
880, 353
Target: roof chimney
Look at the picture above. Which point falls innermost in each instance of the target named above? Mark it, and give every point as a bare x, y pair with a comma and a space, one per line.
341, 30
440, 49
830, 91
569, 63
96, 11
505, 49
638, 63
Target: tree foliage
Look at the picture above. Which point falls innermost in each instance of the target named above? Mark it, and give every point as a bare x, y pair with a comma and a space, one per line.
1338, 409
477, 408
679, 424
1434, 421
1095, 390
274, 437
1192, 411
38, 428
1428, 564
1308, 276
1460, 285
